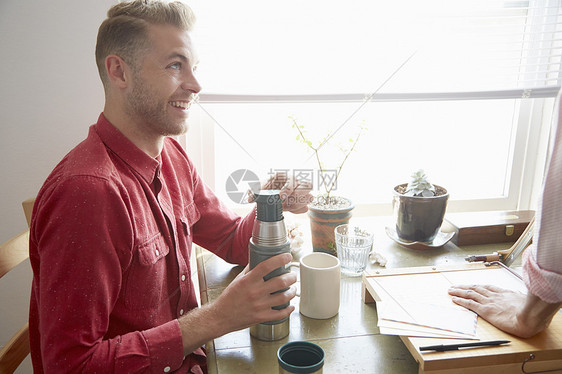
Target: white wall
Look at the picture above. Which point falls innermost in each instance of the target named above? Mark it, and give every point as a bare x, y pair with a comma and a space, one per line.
50, 93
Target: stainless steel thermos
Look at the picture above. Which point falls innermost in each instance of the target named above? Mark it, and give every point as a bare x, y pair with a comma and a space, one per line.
269, 238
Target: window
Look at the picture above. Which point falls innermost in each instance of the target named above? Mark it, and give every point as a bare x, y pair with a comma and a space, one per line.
462, 89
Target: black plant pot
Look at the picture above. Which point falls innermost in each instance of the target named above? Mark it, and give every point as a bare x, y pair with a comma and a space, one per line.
418, 219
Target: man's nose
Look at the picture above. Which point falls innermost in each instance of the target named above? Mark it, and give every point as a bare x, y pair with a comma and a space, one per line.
190, 83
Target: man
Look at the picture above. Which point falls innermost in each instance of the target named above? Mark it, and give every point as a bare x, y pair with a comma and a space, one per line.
516, 313
113, 225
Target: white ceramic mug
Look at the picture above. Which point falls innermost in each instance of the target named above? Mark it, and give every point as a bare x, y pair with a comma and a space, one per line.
320, 285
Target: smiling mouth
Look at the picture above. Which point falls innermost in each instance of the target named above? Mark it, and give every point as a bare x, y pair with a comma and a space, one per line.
181, 104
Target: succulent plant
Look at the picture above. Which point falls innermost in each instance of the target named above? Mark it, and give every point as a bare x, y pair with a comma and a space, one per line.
420, 186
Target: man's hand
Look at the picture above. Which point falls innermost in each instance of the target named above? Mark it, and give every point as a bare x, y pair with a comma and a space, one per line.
248, 300
294, 193
513, 312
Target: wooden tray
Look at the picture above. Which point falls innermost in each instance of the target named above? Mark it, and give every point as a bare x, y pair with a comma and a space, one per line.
541, 352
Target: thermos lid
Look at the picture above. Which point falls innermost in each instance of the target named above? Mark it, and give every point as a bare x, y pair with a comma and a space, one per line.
269, 206
300, 357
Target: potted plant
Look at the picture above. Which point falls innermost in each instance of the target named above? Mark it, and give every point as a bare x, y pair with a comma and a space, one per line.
327, 211
419, 208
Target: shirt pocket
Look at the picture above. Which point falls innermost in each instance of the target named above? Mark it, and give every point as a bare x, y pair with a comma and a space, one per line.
146, 281
189, 218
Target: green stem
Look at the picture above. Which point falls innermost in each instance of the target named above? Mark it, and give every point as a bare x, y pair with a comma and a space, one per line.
315, 150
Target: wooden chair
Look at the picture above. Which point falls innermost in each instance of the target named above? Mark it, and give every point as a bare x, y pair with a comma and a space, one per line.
12, 253
28, 208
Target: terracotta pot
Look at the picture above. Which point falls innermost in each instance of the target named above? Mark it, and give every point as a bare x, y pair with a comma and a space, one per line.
418, 219
322, 225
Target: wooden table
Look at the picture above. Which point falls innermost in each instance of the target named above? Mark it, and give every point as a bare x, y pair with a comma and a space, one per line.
351, 340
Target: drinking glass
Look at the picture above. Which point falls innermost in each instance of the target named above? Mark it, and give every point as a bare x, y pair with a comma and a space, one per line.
353, 245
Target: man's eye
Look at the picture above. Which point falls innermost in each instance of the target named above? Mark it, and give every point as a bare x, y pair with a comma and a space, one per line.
175, 65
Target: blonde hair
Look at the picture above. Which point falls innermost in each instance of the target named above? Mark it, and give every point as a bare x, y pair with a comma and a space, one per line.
124, 32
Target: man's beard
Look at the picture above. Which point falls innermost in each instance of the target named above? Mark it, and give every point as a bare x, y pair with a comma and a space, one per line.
151, 112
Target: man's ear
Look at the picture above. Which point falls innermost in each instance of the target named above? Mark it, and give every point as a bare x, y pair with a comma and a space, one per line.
117, 71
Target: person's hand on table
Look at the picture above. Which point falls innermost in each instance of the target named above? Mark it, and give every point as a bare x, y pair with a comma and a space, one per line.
294, 193
513, 312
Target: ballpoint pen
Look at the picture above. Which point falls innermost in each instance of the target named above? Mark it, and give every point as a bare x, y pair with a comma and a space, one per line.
454, 347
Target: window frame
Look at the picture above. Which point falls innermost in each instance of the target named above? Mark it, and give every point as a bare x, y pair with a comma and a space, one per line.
530, 153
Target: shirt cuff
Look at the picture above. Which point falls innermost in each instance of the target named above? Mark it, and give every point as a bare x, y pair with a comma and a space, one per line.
546, 285
165, 347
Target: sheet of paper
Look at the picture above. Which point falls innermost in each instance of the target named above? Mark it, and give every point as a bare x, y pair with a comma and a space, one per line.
421, 334
405, 329
499, 277
444, 319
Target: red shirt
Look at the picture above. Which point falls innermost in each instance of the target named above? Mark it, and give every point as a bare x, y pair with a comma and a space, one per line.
110, 244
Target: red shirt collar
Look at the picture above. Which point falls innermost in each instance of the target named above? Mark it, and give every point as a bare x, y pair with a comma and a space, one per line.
136, 158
